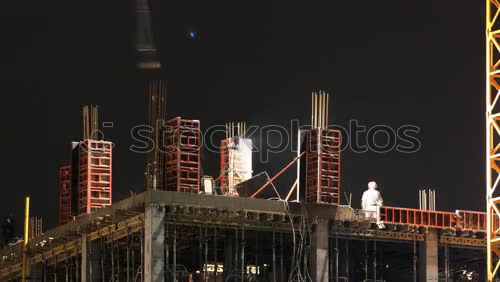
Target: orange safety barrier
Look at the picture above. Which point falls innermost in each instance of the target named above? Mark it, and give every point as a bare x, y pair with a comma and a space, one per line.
425, 218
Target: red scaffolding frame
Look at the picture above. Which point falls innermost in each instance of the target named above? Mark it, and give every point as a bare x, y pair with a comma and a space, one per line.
95, 177
183, 155
65, 194
323, 166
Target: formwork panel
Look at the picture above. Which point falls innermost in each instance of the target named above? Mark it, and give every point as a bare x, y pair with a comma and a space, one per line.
95, 177
65, 194
323, 166
424, 218
183, 155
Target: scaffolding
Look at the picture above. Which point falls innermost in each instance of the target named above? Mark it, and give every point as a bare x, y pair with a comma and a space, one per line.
492, 136
183, 155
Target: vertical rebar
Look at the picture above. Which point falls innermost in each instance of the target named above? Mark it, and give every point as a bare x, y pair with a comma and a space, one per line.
312, 110
326, 111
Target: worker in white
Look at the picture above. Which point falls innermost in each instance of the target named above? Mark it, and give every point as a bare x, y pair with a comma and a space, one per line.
371, 199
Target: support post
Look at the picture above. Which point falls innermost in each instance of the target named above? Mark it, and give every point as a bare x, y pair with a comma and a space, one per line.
228, 254
319, 252
428, 257
446, 262
414, 261
85, 259
154, 240
95, 255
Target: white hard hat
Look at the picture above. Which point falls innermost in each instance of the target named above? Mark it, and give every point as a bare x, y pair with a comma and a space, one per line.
372, 185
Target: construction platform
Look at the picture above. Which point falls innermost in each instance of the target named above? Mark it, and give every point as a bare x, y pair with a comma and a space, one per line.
175, 236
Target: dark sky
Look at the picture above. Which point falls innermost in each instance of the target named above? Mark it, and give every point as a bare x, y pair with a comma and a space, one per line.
384, 62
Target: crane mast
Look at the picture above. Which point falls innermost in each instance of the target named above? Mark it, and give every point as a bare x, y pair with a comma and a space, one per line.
492, 137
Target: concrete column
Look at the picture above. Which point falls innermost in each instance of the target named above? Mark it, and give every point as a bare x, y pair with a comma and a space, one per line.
428, 257
318, 261
154, 243
84, 261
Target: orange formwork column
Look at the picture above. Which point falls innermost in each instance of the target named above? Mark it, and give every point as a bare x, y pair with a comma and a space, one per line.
65, 194
323, 166
183, 155
95, 175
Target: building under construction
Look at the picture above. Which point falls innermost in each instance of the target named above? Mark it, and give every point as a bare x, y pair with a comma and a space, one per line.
190, 227
186, 226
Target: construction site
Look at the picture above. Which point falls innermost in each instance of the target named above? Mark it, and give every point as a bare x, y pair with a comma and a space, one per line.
234, 226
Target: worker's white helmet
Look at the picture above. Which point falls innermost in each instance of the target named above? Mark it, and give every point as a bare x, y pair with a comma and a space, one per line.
372, 185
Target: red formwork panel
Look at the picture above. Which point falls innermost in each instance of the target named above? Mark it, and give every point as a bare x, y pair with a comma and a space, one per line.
183, 155
95, 175
224, 163
425, 218
65, 194
471, 220
323, 166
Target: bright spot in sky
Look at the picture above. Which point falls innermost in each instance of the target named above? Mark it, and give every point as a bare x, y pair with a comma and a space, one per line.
192, 34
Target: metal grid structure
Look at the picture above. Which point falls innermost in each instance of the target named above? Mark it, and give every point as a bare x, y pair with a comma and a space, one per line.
65, 194
415, 217
492, 136
323, 166
183, 155
95, 178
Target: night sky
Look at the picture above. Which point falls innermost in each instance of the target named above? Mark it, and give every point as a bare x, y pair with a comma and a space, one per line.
384, 62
